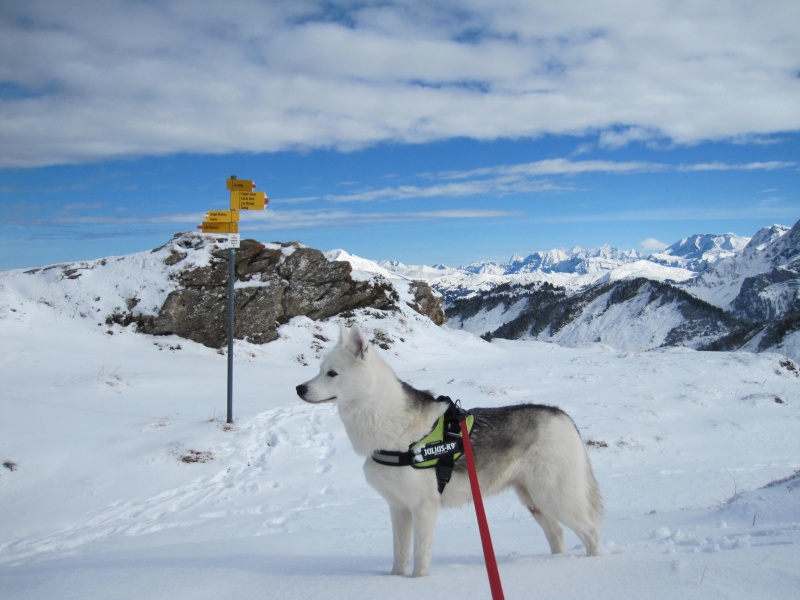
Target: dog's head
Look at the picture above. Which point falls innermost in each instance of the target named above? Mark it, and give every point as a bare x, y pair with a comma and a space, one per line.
343, 372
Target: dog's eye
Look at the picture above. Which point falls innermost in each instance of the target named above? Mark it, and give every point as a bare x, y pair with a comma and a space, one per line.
332, 373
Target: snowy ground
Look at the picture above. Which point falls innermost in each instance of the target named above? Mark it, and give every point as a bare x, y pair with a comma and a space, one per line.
98, 501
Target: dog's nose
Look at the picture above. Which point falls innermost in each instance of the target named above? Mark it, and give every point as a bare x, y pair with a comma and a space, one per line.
302, 389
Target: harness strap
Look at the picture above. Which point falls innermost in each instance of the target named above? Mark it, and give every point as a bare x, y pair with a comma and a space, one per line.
392, 458
441, 453
452, 430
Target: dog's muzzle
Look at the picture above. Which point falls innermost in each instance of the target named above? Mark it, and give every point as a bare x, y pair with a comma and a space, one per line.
302, 391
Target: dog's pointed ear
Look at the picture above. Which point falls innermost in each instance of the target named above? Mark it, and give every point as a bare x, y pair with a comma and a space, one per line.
342, 334
357, 343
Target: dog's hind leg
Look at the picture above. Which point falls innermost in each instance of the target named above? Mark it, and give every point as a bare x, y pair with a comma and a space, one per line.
552, 530
401, 536
574, 516
587, 532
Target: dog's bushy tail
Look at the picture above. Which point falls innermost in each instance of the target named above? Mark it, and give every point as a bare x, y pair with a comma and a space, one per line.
594, 499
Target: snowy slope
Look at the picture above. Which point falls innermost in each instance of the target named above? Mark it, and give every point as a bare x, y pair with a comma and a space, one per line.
123, 481
359, 264
648, 270
634, 325
422, 272
490, 319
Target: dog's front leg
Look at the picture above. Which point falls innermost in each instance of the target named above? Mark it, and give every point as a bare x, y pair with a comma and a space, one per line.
401, 536
424, 529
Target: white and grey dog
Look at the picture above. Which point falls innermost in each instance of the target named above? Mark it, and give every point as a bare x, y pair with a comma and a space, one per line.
536, 450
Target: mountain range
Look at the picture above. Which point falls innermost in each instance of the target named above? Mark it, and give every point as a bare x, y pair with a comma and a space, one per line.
578, 268
703, 292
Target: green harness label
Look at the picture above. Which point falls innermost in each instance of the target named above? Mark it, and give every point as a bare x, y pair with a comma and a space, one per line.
427, 452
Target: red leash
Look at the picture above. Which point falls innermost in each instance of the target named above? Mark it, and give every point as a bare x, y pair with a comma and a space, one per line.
483, 525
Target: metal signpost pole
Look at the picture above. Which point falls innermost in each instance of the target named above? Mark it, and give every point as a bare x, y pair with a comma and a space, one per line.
231, 277
227, 221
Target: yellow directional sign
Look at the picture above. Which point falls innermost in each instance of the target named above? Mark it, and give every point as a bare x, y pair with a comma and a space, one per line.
245, 185
222, 216
208, 227
249, 200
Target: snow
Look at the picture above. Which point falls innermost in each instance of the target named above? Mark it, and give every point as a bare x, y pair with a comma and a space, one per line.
422, 272
362, 268
486, 321
696, 454
648, 270
634, 325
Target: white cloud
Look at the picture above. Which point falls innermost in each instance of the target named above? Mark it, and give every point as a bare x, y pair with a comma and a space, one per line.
527, 178
558, 166
772, 165
495, 187
122, 77
618, 138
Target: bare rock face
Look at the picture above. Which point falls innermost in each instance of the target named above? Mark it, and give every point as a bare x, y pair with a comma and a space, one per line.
274, 283
427, 303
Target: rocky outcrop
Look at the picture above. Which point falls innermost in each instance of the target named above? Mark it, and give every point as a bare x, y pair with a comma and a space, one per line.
274, 283
427, 303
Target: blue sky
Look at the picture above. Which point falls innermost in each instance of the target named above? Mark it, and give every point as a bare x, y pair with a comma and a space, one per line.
427, 132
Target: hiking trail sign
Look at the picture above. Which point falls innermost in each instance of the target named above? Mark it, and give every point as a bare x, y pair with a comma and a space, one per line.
242, 198
227, 222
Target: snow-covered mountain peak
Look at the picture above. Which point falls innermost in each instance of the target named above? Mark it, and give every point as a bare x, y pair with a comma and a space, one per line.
695, 246
698, 252
421, 272
767, 236
770, 248
360, 264
487, 268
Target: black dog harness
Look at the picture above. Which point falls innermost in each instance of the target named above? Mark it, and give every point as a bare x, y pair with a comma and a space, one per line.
440, 448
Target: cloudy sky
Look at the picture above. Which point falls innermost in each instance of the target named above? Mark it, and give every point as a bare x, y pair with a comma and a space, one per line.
425, 131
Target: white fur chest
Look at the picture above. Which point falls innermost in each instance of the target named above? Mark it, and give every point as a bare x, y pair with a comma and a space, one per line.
374, 425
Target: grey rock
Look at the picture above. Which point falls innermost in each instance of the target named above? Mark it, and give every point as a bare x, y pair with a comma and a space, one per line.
274, 283
427, 302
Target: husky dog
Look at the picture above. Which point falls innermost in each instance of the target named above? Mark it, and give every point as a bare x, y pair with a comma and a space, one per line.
536, 450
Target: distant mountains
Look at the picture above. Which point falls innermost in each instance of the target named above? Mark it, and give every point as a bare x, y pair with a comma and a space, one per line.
578, 268
703, 292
